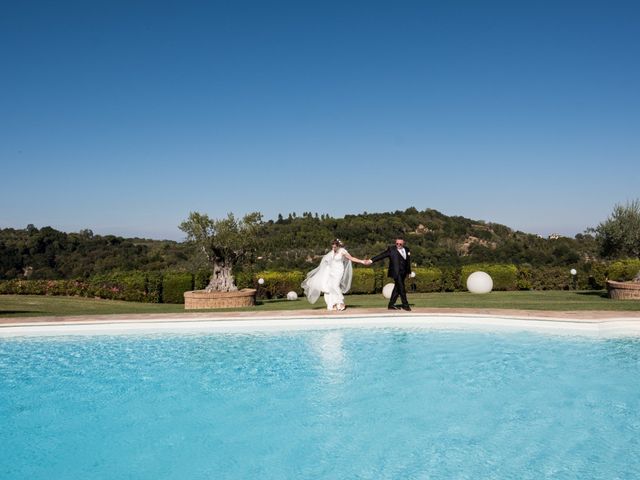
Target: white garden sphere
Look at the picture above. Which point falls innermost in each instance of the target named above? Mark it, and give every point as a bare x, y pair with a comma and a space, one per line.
292, 296
261, 281
412, 274
387, 290
573, 271
479, 282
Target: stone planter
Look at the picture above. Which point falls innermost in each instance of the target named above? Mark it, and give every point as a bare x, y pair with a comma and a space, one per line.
203, 299
623, 290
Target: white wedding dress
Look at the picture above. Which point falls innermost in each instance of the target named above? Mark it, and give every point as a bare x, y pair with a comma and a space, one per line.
332, 277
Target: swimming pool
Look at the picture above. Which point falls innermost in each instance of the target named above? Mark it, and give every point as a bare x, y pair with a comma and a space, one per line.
331, 403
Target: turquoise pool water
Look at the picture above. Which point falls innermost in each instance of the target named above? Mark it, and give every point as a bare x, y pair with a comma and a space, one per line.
374, 404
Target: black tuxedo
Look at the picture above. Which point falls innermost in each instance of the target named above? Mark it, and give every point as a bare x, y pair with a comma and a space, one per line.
399, 269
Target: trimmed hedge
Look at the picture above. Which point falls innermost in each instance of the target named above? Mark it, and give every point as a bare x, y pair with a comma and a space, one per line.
201, 279
278, 284
364, 280
169, 287
154, 287
174, 284
426, 280
505, 277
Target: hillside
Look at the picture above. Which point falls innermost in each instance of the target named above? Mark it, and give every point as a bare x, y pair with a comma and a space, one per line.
291, 242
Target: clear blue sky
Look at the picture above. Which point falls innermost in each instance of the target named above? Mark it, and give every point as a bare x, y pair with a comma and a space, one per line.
124, 116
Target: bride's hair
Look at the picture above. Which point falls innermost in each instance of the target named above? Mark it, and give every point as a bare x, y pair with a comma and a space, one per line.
337, 242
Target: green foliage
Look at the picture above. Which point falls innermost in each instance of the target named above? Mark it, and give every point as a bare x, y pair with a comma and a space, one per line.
226, 238
293, 243
619, 235
451, 279
364, 280
174, 284
153, 287
505, 277
201, 279
624, 270
524, 278
592, 275
550, 278
50, 254
426, 280
278, 284
245, 279
128, 286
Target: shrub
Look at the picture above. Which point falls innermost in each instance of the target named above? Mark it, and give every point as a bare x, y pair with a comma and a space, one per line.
278, 284
201, 279
128, 286
523, 281
364, 280
153, 287
451, 279
551, 278
174, 284
592, 276
426, 280
624, 270
245, 279
504, 276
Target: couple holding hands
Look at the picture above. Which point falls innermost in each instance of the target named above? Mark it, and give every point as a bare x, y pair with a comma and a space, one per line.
333, 276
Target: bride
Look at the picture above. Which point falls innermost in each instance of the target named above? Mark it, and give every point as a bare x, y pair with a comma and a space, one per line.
332, 277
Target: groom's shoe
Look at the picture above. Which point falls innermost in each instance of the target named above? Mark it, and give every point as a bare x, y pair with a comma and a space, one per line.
393, 307
406, 308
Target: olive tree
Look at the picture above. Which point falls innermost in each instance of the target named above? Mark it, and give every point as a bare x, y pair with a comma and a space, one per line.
619, 235
225, 242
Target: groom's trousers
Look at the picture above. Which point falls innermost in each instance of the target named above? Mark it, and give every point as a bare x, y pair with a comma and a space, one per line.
399, 291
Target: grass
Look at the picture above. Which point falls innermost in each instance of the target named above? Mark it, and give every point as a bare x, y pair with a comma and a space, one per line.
36, 306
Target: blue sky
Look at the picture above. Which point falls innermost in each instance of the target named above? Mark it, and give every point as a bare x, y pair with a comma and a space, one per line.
125, 116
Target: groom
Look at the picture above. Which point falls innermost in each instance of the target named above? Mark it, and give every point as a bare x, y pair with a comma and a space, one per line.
399, 268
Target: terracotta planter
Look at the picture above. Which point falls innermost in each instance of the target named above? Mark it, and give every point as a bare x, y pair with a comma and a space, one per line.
197, 299
623, 290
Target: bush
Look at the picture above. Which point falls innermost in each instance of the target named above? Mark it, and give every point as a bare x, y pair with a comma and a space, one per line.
524, 278
426, 280
505, 277
624, 270
174, 284
592, 276
153, 287
278, 284
201, 279
128, 286
245, 279
551, 278
451, 279
364, 280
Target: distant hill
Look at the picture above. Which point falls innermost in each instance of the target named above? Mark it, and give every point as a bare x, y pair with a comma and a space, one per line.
291, 242
434, 239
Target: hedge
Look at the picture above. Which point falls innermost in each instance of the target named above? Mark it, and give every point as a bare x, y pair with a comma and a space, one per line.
364, 280
278, 284
426, 280
505, 277
168, 287
174, 284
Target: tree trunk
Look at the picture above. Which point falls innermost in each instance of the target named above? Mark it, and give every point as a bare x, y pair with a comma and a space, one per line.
222, 279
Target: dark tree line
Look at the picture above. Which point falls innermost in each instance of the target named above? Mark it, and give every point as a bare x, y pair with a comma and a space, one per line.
291, 242
47, 253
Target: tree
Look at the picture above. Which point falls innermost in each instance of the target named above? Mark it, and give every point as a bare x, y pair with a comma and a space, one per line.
619, 235
226, 243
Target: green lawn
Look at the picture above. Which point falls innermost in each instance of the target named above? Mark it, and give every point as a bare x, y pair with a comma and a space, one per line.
32, 305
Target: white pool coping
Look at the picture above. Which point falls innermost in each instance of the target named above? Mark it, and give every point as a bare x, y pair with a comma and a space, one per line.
604, 328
